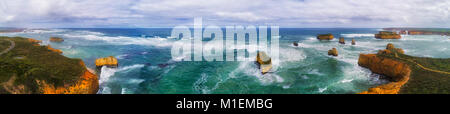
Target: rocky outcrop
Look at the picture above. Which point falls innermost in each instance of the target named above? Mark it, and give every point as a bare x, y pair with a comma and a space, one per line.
34, 42
325, 37
49, 47
54, 50
353, 41
295, 44
397, 72
56, 39
264, 62
107, 61
387, 35
341, 40
333, 52
87, 84
390, 48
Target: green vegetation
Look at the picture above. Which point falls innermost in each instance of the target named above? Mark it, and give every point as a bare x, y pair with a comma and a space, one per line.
4, 45
387, 33
432, 78
28, 63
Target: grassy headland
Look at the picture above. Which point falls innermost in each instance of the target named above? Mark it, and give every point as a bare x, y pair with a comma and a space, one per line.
27, 64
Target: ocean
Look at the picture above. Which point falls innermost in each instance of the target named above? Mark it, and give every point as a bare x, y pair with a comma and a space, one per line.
146, 65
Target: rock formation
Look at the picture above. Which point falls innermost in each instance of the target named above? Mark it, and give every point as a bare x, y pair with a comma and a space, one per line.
325, 36
56, 39
87, 84
397, 72
341, 40
54, 50
390, 48
45, 72
295, 44
107, 61
264, 62
353, 41
34, 42
387, 35
333, 52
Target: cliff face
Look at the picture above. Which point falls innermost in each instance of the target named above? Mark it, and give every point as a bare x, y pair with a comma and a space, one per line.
29, 68
397, 72
86, 84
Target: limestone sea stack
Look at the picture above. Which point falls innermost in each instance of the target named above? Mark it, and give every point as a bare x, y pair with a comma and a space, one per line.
341, 40
353, 41
107, 61
264, 62
333, 52
387, 35
325, 37
56, 39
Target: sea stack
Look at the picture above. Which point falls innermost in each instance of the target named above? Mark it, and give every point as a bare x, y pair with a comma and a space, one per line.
341, 40
295, 44
387, 35
353, 41
56, 39
333, 52
391, 48
325, 37
107, 61
264, 62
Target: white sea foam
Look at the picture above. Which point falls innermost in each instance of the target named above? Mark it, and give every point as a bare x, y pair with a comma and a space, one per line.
121, 40
106, 74
321, 90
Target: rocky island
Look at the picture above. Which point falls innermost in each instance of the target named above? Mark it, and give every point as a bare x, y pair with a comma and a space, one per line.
407, 74
325, 37
387, 35
56, 39
28, 68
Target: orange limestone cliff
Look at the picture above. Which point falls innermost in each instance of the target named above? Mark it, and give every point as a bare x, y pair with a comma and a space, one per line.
86, 84
54, 50
36, 43
387, 35
397, 72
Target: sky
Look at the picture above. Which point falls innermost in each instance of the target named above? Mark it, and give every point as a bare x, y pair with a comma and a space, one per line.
170, 13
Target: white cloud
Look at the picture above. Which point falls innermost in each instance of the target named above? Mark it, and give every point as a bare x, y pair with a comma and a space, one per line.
286, 13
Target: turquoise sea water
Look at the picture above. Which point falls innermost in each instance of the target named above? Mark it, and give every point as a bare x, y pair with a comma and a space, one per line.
146, 66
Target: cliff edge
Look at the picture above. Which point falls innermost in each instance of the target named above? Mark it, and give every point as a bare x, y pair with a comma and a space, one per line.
29, 68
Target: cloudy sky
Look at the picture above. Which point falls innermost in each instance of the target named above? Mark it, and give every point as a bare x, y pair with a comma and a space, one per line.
169, 13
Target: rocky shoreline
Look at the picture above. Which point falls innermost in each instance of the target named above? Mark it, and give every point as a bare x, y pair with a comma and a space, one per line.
43, 70
405, 73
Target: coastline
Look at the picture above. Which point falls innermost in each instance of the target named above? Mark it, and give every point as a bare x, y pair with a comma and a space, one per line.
64, 75
406, 74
